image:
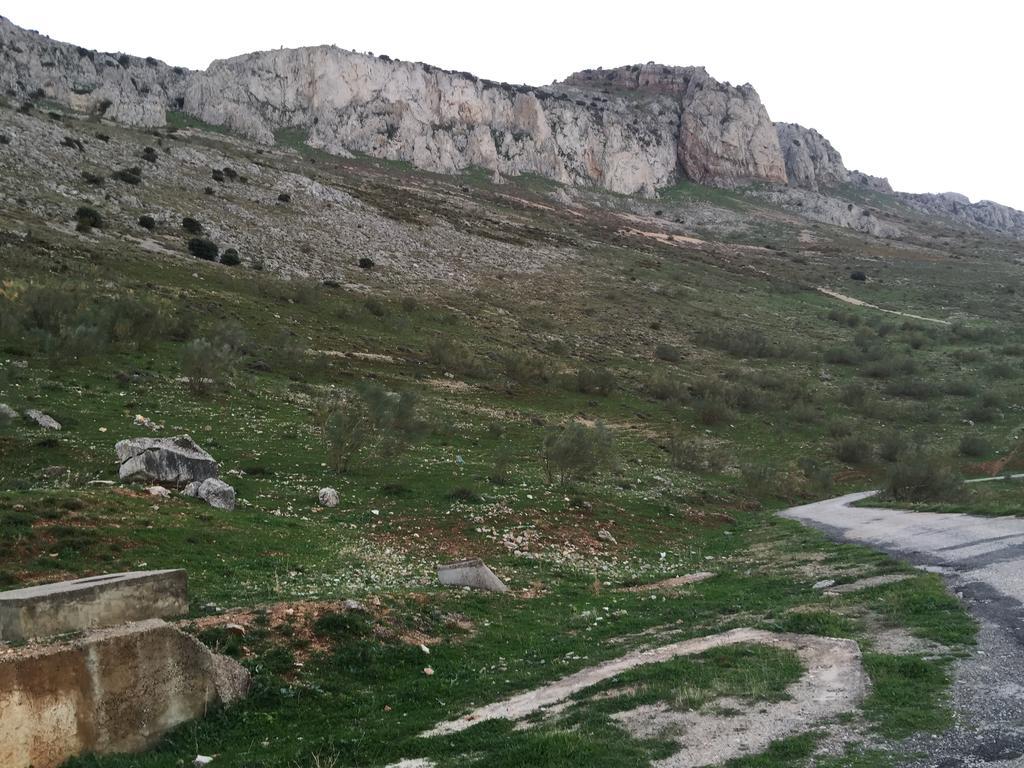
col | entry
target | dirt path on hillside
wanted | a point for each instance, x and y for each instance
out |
(833, 683)
(860, 303)
(982, 560)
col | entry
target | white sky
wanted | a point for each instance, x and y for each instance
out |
(925, 93)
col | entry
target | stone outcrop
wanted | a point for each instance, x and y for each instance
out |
(811, 161)
(125, 88)
(112, 691)
(725, 135)
(981, 215)
(175, 461)
(472, 573)
(217, 493)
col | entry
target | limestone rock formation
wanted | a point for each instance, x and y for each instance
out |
(175, 461)
(125, 88)
(984, 214)
(811, 161)
(725, 135)
(217, 493)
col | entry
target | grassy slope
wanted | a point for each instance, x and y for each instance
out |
(751, 337)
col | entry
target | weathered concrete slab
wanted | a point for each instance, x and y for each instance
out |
(175, 461)
(114, 691)
(97, 601)
(470, 573)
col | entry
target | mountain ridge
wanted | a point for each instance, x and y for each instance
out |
(634, 129)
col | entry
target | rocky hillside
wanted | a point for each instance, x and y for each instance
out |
(631, 130)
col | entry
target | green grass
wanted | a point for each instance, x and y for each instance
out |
(907, 695)
(996, 498)
(585, 297)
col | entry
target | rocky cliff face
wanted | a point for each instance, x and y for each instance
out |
(984, 214)
(725, 135)
(631, 130)
(438, 120)
(125, 88)
(811, 161)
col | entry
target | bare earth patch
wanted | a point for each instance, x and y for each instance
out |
(834, 683)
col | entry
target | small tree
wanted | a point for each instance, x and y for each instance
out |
(192, 226)
(147, 222)
(230, 258)
(202, 248)
(88, 218)
(577, 451)
(206, 365)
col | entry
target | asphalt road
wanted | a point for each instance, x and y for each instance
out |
(982, 560)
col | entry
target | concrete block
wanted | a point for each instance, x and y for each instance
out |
(113, 691)
(470, 573)
(97, 601)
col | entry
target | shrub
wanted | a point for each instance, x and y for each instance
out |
(374, 418)
(88, 218)
(218, 175)
(131, 175)
(4, 139)
(841, 356)
(961, 388)
(375, 307)
(664, 386)
(594, 381)
(230, 258)
(696, 454)
(92, 179)
(203, 249)
(72, 143)
(365, 263)
(284, 197)
(974, 446)
(712, 411)
(192, 226)
(853, 450)
(916, 388)
(668, 353)
(147, 222)
(576, 451)
(206, 365)
(853, 395)
(454, 357)
(525, 367)
(981, 412)
(891, 446)
(103, 137)
(149, 155)
(858, 275)
(923, 476)
(499, 473)
(748, 342)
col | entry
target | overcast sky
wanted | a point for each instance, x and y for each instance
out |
(925, 93)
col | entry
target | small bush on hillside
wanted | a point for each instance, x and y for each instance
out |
(961, 388)
(974, 446)
(147, 222)
(103, 137)
(88, 218)
(525, 367)
(858, 275)
(284, 197)
(375, 307)
(712, 411)
(891, 446)
(696, 454)
(149, 155)
(841, 356)
(92, 179)
(923, 476)
(981, 412)
(128, 175)
(217, 175)
(665, 386)
(372, 418)
(668, 353)
(853, 450)
(913, 387)
(206, 365)
(4, 139)
(853, 395)
(365, 263)
(230, 258)
(203, 249)
(748, 342)
(577, 451)
(594, 381)
(192, 226)
(455, 357)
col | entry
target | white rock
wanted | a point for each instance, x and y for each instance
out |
(328, 497)
(41, 419)
(217, 493)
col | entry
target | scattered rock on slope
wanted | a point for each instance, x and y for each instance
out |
(174, 461)
(42, 419)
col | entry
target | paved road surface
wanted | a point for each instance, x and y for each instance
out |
(982, 560)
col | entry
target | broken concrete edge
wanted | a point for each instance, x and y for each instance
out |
(525, 704)
(45, 610)
(471, 572)
(119, 690)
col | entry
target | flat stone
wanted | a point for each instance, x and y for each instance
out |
(97, 601)
(174, 461)
(113, 691)
(823, 584)
(41, 419)
(470, 573)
